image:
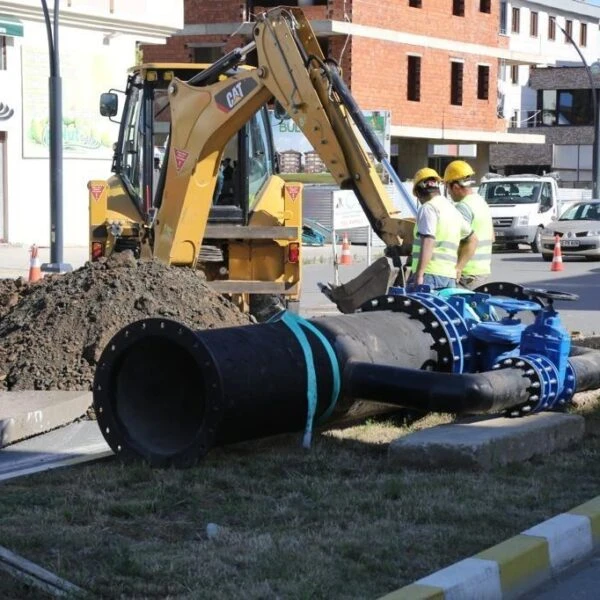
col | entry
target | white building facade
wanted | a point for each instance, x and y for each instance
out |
(529, 25)
(538, 26)
(97, 42)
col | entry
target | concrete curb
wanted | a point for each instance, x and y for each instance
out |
(517, 565)
(24, 414)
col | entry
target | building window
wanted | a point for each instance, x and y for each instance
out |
(533, 24)
(568, 31)
(253, 4)
(456, 83)
(415, 3)
(514, 120)
(413, 87)
(516, 20)
(485, 6)
(503, 18)
(583, 35)
(458, 8)
(565, 107)
(552, 28)
(483, 82)
(206, 53)
(514, 74)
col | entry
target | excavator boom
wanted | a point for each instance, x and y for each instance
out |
(293, 70)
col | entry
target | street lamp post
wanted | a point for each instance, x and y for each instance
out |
(596, 138)
(56, 264)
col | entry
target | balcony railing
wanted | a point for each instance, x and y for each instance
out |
(525, 119)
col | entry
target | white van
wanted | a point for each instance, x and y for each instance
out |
(522, 205)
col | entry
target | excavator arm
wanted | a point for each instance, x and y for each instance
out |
(292, 69)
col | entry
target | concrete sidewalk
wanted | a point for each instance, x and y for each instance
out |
(14, 259)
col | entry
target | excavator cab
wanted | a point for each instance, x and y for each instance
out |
(142, 148)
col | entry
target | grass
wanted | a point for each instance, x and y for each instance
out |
(337, 521)
(320, 178)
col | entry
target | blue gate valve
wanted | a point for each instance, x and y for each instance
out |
(548, 337)
(498, 340)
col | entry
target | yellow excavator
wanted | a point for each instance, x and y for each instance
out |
(195, 172)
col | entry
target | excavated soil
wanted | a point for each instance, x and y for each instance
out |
(52, 332)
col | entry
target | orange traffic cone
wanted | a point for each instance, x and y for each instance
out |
(35, 271)
(557, 261)
(346, 257)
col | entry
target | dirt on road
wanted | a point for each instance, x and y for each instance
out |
(52, 332)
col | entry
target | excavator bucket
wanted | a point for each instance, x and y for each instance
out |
(374, 281)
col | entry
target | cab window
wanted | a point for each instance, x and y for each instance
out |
(260, 160)
(131, 150)
(546, 197)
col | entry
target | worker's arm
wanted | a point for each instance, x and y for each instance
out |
(466, 249)
(427, 221)
(427, 245)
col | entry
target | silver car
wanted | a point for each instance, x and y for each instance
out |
(578, 229)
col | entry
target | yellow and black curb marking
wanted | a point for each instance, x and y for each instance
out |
(516, 565)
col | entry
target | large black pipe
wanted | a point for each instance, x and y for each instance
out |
(480, 393)
(586, 364)
(167, 394)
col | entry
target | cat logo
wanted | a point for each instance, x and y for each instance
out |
(235, 95)
(228, 98)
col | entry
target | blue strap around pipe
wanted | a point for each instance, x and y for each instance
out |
(295, 324)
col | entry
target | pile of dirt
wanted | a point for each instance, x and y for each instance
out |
(53, 332)
(11, 292)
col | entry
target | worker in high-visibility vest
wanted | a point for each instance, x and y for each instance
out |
(459, 181)
(443, 240)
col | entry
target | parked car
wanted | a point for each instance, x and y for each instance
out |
(578, 229)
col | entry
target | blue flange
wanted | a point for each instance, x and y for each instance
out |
(454, 325)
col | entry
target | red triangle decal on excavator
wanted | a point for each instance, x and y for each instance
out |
(96, 190)
(293, 191)
(180, 158)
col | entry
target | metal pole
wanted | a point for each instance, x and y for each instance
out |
(596, 139)
(56, 264)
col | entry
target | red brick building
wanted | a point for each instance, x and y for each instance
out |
(432, 63)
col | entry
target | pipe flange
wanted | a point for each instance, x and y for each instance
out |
(550, 378)
(534, 389)
(429, 318)
(111, 425)
(568, 391)
(455, 325)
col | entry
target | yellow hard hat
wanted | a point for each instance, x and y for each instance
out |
(456, 170)
(422, 175)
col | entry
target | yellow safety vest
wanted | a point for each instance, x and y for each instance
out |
(447, 240)
(481, 262)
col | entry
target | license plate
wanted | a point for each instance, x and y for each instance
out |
(569, 243)
(499, 233)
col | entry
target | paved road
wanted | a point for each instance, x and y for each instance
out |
(523, 267)
(580, 583)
